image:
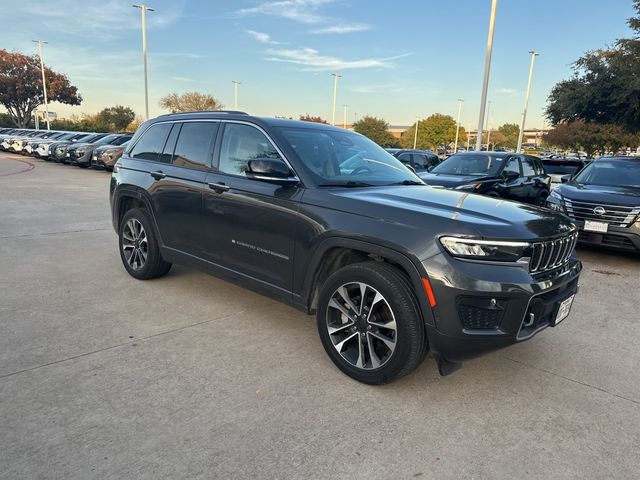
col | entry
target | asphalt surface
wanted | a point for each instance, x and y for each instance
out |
(188, 376)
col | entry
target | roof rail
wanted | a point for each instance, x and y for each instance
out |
(232, 112)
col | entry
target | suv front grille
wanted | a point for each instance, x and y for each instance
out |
(617, 215)
(552, 253)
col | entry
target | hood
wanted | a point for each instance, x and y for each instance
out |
(451, 181)
(85, 145)
(104, 148)
(600, 194)
(465, 213)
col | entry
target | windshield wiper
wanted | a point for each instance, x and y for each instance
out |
(348, 184)
(408, 182)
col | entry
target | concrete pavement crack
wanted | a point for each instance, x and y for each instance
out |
(54, 233)
(588, 385)
(111, 347)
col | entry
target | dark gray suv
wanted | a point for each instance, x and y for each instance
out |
(327, 221)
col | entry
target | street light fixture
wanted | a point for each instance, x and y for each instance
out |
(526, 99)
(335, 95)
(455, 145)
(44, 81)
(235, 93)
(143, 9)
(487, 68)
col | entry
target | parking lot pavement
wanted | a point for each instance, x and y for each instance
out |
(188, 376)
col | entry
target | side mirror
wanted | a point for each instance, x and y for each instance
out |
(271, 170)
(565, 178)
(510, 175)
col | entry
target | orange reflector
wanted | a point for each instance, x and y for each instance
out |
(429, 292)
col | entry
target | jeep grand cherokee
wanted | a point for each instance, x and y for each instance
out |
(327, 221)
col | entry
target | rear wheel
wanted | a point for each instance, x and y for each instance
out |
(369, 323)
(139, 248)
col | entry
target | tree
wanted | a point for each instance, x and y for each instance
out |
(116, 118)
(507, 135)
(377, 130)
(433, 132)
(591, 137)
(190, 102)
(135, 123)
(21, 86)
(308, 118)
(605, 86)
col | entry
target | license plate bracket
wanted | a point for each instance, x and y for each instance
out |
(597, 227)
(564, 308)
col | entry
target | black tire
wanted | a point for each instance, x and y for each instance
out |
(409, 335)
(153, 266)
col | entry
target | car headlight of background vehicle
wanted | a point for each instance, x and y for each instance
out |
(488, 250)
(555, 202)
(469, 186)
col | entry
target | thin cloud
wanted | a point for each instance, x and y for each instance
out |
(311, 58)
(262, 37)
(303, 11)
(342, 28)
(378, 88)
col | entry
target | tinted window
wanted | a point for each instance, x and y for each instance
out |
(470, 164)
(121, 140)
(170, 144)
(561, 167)
(240, 144)
(405, 157)
(151, 143)
(512, 166)
(527, 168)
(193, 149)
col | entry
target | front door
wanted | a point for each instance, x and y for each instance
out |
(249, 224)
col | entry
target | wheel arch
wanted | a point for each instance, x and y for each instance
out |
(127, 197)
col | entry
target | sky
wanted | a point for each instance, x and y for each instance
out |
(398, 59)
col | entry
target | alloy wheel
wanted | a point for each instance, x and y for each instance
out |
(361, 325)
(134, 244)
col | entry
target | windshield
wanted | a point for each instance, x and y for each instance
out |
(611, 173)
(561, 167)
(344, 158)
(107, 139)
(479, 164)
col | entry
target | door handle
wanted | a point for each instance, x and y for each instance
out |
(158, 175)
(219, 187)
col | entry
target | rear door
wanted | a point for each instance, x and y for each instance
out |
(249, 224)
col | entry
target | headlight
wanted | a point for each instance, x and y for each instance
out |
(80, 152)
(555, 195)
(470, 186)
(490, 250)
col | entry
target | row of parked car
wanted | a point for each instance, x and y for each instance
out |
(84, 149)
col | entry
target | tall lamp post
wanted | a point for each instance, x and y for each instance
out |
(344, 116)
(143, 9)
(487, 68)
(235, 93)
(455, 145)
(526, 100)
(335, 96)
(415, 133)
(44, 81)
(488, 127)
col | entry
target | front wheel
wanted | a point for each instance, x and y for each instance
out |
(369, 323)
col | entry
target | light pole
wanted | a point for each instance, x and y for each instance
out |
(44, 81)
(344, 116)
(415, 134)
(468, 136)
(455, 145)
(488, 123)
(235, 93)
(526, 100)
(487, 68)
(143, 9)
(335, 95)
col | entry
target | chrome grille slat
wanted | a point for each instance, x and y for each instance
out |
(618, 215)
(552, 254)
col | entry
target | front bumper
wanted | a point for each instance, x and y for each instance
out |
(625, 239)
(484, 307)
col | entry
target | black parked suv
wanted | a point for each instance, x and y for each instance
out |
(603, 200)
(418, 160)
(326, 220)
(496, 174)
